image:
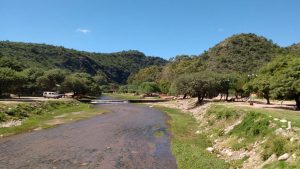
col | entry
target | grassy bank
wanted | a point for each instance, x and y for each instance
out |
(258, 130)
(39, 115)
(188, 147)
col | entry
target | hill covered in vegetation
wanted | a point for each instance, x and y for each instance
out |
(295, 48)
(116, 67)
(241, 53)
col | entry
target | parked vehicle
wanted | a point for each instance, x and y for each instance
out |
(51, 95)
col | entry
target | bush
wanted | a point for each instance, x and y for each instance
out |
(2, 117)
(149, 87)
(274, 145)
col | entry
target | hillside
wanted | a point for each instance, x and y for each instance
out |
(241, 53)
(295, 48)
(115, 66)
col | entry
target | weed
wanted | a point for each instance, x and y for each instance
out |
(274, 145)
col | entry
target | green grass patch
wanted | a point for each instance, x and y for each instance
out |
(275, 145)
(253, 125)
(223, 112)
(281, 165)
(290, 115)
(159, 133)
(51, 115)
(189, 148)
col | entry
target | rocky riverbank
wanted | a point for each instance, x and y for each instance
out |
(246, 137)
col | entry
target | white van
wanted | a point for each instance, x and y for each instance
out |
(51, 95)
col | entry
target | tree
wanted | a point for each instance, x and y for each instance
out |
(81, 84)
(285, 82)
(261, 85)
(31, 87)
(181, 85)
(9, 80)
(148, 88)
(128, 89)
(52, 79)
(149, 74)
(11, 63)
(200, 85)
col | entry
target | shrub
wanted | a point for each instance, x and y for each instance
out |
(2, 117)
(274, 145)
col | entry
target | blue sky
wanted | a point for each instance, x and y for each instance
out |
(164, 28)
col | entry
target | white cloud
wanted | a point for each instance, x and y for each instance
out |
(84, 31)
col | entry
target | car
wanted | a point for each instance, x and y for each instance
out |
(51, 95)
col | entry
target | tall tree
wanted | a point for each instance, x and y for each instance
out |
(285, 82)
(9, 80)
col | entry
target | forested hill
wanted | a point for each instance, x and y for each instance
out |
(295, 48)
(243, 53)
(115, 66)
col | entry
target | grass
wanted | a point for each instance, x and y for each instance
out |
(189, 148)
(52, 117)
(253, 125)
(159, 134)
(293, 116)
(281, 165)
(257, 124)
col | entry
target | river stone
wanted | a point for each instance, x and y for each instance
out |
(284, 157)
(290, 125)
(229, 154)
(279, 131)
(210, 149)
(283, 120)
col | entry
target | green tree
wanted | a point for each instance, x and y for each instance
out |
(261, 85)
(149, 88)
(52, 79)
(11, 63)
(31, 87)
(149, 74)
(285, 82)
(200, 85)
(81, 84)
(10, 80)
(181, 85)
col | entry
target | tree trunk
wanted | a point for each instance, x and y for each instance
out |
(297, 99)
(200, 98)
(267, 97)
(184, 96)
(227, 95)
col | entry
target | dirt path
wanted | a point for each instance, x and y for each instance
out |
(124, 138)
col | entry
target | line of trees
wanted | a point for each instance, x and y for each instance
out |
(33, 81)
(279, 79)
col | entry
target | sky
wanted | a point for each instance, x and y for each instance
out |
(164, 28)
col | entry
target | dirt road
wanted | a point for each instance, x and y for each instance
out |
(130, 136)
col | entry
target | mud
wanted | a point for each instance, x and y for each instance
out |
(122, 139)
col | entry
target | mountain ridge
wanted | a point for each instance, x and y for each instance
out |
(116, 66)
